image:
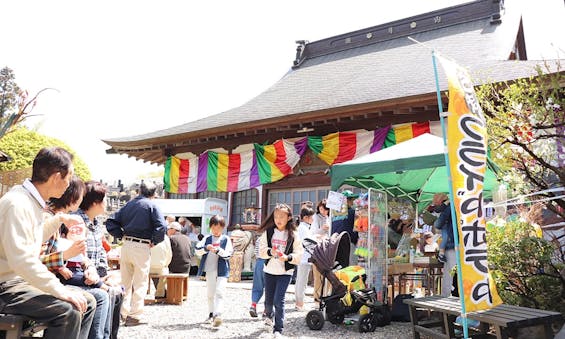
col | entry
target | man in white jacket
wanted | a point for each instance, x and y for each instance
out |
(161, 255)
(27, 287)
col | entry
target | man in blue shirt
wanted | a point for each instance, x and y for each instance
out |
(143, 226)
(444, 223)
(344, 222)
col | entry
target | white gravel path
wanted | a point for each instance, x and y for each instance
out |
(188, 320)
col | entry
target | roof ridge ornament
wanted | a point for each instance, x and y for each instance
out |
(299, 52)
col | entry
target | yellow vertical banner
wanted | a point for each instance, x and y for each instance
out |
(467, 153)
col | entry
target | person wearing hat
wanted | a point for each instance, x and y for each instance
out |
(344, 222)
(430, 246)
(181, 248)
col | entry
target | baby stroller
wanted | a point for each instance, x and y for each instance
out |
(327, 256)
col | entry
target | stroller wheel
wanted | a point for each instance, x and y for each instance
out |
(315, 320)
(367, 323)
(335, 312)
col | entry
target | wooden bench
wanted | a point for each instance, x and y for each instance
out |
(177, 287)
(13, 327)
(504, 319)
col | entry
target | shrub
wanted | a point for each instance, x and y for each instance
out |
(527, 268)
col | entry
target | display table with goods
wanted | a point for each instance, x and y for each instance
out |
(410, 271)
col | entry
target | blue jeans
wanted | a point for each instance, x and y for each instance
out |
(258, 281)
(444, 235)
(113, 321)
(61, 318)
(99, 329)
(275, 290)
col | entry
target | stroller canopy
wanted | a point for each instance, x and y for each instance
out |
(327, 253)
(335, 248)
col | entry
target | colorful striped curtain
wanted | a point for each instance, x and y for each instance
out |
(405, 132)
(276, 161)
(222, 172)
(343, 146)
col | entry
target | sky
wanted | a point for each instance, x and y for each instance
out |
(129, 67)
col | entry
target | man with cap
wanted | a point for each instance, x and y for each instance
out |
(182, 249)
(343, 221)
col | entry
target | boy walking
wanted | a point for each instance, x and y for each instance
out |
(216, 250)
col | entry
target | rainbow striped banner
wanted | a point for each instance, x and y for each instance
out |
(343, 146)
(222, 172)
(276, 161)
(403, 132)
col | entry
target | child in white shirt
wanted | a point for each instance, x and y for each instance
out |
(216, 250)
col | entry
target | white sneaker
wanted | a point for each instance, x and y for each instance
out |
(269, 322)
(278, 335)
(217, 321)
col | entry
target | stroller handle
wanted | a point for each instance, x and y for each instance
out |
(309, 245)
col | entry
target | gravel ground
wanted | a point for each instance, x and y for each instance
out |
(188, 320)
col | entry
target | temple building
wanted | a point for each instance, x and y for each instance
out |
(344, 96)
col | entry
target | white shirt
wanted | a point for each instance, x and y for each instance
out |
(303, 233)
(24, 225)
(317, 227)
(212, 258)
(275, 266)
(161, 255)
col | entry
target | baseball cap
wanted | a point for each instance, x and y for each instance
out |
(175, 225)
(348, 194)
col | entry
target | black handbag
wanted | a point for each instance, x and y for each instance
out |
(400, 311)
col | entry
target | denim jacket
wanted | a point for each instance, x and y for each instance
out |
(224, 254)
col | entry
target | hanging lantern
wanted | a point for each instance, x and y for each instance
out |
(251, 215)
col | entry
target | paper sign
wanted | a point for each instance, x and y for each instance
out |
(64, 244)
(335, 200)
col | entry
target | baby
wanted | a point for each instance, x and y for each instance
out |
(430, 245)
(73, 272)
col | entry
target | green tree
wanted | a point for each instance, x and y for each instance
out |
(15, 105)
(526, 125)
(23, 144)
(9, 92)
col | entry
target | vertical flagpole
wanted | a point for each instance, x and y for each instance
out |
(451, 205)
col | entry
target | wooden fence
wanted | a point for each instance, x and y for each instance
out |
(8, 179)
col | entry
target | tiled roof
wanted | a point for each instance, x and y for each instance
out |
(385, 70)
